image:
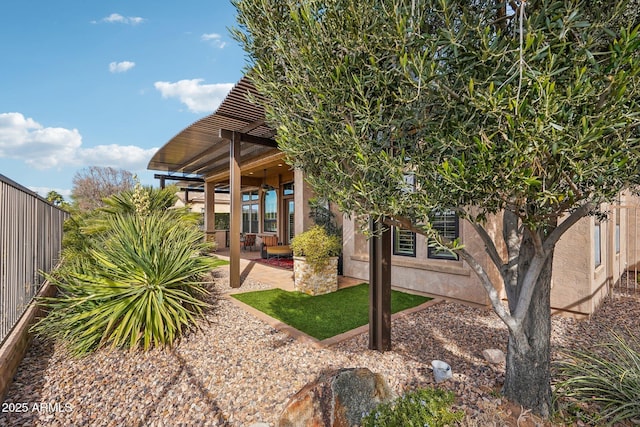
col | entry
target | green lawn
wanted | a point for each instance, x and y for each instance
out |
(323, 316)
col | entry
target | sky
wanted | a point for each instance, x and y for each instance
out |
(107, 83)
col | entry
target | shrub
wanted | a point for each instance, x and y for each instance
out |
(138, 281)
(420, 408)
(607, 376)
(317, 246)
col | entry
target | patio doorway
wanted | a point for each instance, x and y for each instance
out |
(289, 231)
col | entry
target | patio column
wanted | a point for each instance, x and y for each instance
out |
(379, 287)
(235, 220)
(209, 210)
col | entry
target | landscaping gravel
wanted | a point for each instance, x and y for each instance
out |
(239, 371)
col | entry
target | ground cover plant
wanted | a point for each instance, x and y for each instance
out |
(604, 381)
(323, 316)
(427, 407)
(133, 276)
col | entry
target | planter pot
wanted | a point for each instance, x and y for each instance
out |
(315, 283)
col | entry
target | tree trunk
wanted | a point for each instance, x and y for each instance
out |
(528, 377)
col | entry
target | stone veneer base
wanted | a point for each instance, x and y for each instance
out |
(315, 283)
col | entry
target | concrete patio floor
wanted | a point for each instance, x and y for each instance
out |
(269, 275)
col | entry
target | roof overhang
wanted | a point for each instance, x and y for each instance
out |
(203, 147)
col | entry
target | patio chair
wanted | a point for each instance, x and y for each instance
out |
(269, 240)
(249, 241)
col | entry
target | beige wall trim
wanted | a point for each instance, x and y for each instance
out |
(420, 265)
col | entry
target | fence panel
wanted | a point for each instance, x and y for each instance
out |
(30, 242)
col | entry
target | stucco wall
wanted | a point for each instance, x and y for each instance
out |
(447, 278)
(573, 269)
(578, 285)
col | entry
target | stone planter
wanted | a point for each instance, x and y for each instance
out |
(315, 283)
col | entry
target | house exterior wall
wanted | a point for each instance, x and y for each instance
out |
(446, 278)
(578, 284)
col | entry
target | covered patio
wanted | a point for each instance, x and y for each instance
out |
(233, 151)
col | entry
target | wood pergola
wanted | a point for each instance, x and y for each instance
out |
(223, 149)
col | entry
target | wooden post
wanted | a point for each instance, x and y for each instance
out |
(209, 211)
(379, 288)
(236, 211)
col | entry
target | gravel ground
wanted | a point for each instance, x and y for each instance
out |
(237, 370)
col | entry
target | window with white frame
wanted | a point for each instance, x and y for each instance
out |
(250, 212)
(404, 242)
(446, 223)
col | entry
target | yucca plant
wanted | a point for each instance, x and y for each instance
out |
(139, 284)
(607, 375)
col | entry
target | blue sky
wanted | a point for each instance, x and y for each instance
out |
(106, 83)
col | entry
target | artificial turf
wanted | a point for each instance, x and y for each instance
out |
(323, 316)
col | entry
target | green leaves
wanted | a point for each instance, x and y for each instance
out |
(140, 284)
(607, 376)
(430, 78)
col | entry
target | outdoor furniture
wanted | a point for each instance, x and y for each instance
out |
(249, 241)
(279, 251)
(268, 241)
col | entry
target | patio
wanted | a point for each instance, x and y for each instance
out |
(253, 271)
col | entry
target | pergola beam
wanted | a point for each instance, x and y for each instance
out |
(245, 137)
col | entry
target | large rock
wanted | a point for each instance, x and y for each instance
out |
(494, 355)
(336, 399)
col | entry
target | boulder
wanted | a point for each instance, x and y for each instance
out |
(493, 355)
(336, 398)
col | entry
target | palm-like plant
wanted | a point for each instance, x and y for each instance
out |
(139, 283)
(607, 375)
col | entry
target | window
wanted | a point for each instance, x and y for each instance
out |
(288, 189)
(404, 242)
(597, 248)
(447, 224)
(250, 212)
(270, 217)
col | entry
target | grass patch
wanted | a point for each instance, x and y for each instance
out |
(323, 316)
(217, 262)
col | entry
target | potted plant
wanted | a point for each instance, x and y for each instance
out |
(315, 261)
(321, 214)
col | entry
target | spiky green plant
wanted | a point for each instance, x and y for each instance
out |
(138, 284)
(607, 375)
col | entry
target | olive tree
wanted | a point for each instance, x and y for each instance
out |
(525, 111)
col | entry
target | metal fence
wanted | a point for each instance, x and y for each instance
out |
(30, 242)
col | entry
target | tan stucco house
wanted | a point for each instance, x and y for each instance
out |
(235, 154)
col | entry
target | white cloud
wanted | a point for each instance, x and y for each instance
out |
(47, 147)
(215, 39)
(121, 67)
(198, 97)
(116, 18)
(43, 191)
(40, 147)
(128, 157)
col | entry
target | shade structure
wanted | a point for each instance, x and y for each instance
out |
(202, 148)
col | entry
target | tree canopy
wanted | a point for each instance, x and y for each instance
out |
(396, 108)
(91, 185)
